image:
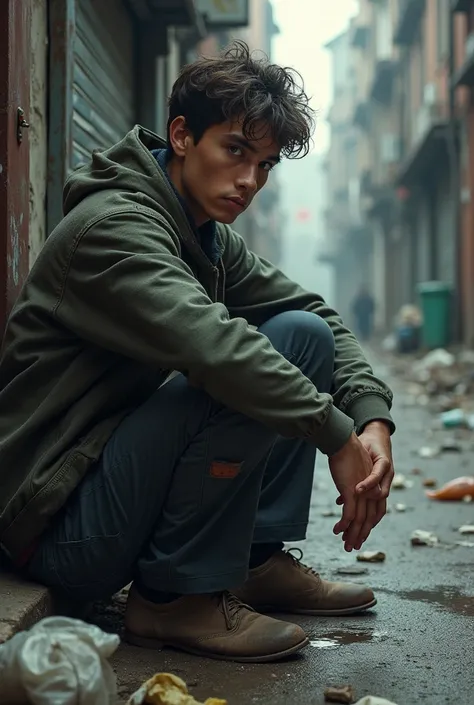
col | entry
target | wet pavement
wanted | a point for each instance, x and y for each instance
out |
(417, 645)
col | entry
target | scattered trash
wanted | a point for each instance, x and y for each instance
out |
(429, 482)
(59, 660)
(352, 570)
(389, 344)
(466, 529)
(329, 513)
(466, 357)
(435, 358)
(451, 445)
(374, 700)
(400, 482)
(456, 489)
(416, 471)
(371, 557)
(429, 452)
(343, 694)
(168, 689)
(454, 418)
(400, 507)
(423, 538)
(465, 544)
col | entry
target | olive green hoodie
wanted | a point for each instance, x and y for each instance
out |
(120, 295)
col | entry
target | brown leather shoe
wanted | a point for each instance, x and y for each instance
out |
(218, 626)
(284, 584)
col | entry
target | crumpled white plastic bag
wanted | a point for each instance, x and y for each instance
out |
(374, 700)
(59, 661)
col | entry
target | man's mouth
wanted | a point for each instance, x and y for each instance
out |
(237, 201)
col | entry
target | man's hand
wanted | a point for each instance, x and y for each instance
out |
(362, 475)
(376, 440)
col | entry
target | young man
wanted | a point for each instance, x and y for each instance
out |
(188, 488)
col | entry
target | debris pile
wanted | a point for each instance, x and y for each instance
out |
(444, 382)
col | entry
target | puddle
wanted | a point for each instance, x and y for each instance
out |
(343, 638)
(443, 597)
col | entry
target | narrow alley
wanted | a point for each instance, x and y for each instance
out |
(415, 648)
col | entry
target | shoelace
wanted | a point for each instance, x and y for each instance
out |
(230, 606)
(297, 561)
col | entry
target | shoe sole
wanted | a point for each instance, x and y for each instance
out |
(318, 613)
(150, 643)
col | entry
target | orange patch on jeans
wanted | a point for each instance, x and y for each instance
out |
(224, 470)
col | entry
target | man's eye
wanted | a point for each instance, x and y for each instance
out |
(237, 151)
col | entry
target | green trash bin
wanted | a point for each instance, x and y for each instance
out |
(435, 298)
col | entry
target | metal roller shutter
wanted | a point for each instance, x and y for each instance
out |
(103, 98)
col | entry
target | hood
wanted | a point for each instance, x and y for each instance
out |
(127, 166)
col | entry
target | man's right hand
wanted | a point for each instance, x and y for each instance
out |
(349, 467)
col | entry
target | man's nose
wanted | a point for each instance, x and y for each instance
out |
(248, 178)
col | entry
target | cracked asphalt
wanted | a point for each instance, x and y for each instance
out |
(416, 647)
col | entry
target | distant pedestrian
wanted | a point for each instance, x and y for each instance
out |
(363, 309)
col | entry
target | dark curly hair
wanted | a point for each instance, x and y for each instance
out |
(237, 86)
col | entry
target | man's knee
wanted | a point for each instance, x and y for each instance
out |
(301, 329)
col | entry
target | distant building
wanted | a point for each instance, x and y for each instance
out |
(403, 211)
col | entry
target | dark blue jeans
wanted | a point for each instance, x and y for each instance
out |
(185, 486)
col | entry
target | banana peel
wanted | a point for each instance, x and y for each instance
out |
(167, 689)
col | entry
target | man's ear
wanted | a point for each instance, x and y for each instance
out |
(179, 136)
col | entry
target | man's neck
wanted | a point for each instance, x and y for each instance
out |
(175, 172)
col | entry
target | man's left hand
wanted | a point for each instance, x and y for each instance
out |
(376, 439)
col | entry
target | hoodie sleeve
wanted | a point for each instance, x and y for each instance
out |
(256, 290)
(128, 290)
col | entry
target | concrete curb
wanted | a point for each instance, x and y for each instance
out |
(22, 604)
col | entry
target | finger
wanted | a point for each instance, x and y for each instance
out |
(348, 514)
(381, 511)
(368, 524)
(380, 469)
(356, 525)
(387, 482)
(375, 493)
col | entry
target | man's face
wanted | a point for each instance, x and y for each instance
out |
(220, 176)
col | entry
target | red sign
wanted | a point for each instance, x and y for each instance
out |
(303, 215)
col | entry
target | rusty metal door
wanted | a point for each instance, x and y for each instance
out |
(14, 150)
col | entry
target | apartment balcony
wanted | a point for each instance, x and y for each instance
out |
(344, 215)
(462, 5)
(328, 252)
(410, 14)
(328, 249)
(384, 80)
(361, 117)
(359, 36)
(428, 143)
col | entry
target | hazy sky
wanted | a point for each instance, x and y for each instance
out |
(306, 25)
